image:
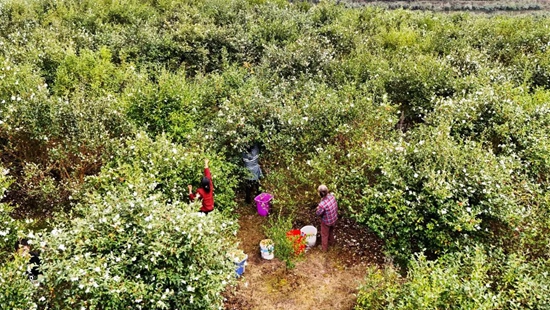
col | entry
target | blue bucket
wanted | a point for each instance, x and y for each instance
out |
(240, 266)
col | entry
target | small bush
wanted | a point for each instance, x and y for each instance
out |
(276, 230)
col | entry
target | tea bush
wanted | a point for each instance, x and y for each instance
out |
(50, 143)
(425, 198)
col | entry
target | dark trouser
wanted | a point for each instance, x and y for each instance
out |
(327, 235)
(205, 212)
(252, 189)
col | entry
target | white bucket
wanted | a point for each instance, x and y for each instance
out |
(267, 250)
(310, 232)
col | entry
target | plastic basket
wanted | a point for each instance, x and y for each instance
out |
(263, 202)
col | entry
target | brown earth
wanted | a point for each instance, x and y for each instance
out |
(319, 281)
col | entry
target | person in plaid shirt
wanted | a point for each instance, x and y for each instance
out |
(328, 210)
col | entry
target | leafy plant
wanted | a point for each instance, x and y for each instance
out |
(475, 278)
(276, 230)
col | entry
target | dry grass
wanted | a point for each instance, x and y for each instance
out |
(319, 280)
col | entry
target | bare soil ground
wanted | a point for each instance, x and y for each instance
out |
(319, 280)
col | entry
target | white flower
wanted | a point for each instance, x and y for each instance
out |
(444, 211)
(469, 209)
(62, 247)
(190, 288)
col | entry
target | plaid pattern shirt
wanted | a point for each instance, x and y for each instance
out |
(328, 209)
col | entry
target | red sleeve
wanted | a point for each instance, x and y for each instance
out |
(320, 210)
(209, 176)
(192, 196)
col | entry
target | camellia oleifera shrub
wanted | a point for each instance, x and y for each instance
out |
(473, 279)
(53, 136)
(131, 243)
(434, 193)
(17, 291)
(131, 249)
(9, 226)
(169, 167)
(133, 239)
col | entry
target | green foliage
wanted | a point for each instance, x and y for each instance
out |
(9, 226)
(472, 279)
(434, 193)
(18, 293)
(90, 72)
(169, 168)
(276, 230)
(49, 143)
(165, 106)
(130, 248)
(432, 129)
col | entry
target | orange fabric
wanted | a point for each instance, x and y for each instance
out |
(298, 241)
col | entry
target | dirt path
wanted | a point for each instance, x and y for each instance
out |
(319, 280)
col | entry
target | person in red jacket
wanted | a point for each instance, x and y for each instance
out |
(205, 192)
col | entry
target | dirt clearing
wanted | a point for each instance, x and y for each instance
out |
(319, 280)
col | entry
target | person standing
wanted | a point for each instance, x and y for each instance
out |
(252, 182)
(328, 210)
(205, 192)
